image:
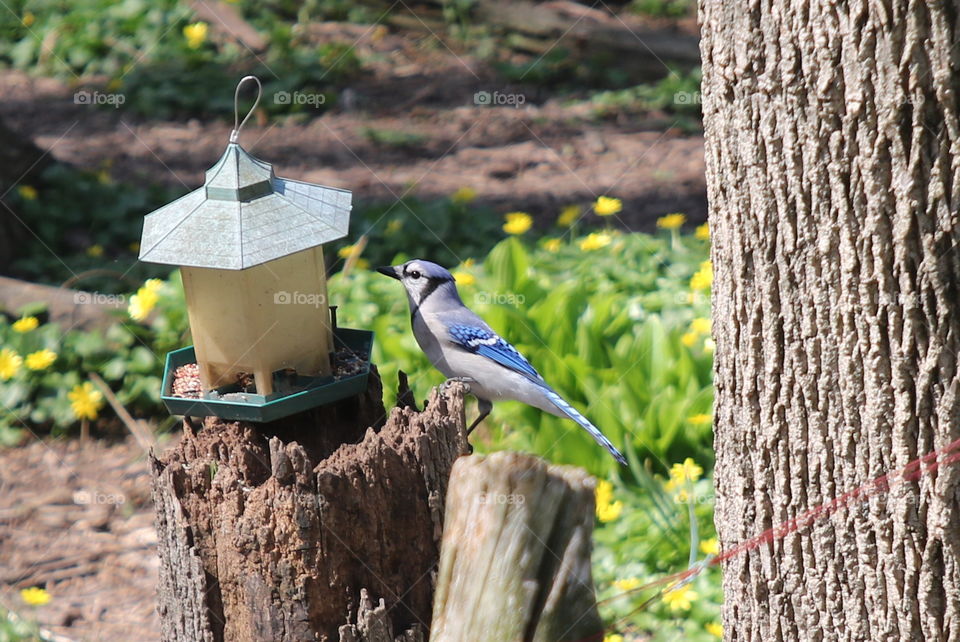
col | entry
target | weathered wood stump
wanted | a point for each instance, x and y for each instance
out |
(324, 526)
(515, 559)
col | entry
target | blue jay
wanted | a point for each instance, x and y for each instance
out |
(464, 348)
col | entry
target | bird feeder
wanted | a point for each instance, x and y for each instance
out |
(249, 247)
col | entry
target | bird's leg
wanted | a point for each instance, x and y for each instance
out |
(484, 406)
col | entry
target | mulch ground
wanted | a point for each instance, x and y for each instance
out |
(78, 520)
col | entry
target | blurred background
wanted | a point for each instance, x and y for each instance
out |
(549, 153)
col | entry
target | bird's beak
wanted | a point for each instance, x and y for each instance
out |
(390, 271)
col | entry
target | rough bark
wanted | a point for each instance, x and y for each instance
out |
(832, 167)
(294, 530)
(515, 561)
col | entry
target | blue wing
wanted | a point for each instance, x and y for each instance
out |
(492, 346)
(486, 343)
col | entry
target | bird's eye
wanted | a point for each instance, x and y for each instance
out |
(415, 275)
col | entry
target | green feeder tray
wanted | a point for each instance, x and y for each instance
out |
(293, 393)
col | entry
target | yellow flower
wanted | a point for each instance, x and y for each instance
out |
(687, 471)
(28, 19)
(517, 223)
(464, 278)
(609, 512)
(604, 492)
(27, 192)
(689, 339)
(346, 251)
(134, 247)
(41, 359)
(701, 325)
(10, 363)
(464, 196)
(613, 637)
(26, 324)
(362, 264)
(671, 221)
(569, 215)
(605, 206)
(628, 584)
(703, 278)
(715, 628)
(35, 596)
(700, 419)
(143, 302)
(595, 241)
(709, 546)
(153, 285)
(95, 251)
(196, 34)
(679, 599)
(607, 509)
(702, 232)
(552, 245)
(85, 400)
(394, 226)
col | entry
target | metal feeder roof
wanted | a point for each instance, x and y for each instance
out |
(244, 215)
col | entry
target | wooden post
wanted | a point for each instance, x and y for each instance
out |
(515, 559)
(316, 527)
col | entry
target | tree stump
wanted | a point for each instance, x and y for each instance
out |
(322, 526)
(515, 560)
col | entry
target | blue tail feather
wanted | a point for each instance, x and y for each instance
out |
(574, 414)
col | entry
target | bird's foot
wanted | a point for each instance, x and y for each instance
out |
(464, 380)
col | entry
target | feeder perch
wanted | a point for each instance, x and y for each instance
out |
(249, 247)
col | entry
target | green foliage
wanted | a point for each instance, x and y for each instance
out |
(664, 8)
(559, 68)
(677, 94)
(74, 211)
(649, 540)
(436, 229)
(15, 629)
(393, 137)
(128, 355)
(149, 61)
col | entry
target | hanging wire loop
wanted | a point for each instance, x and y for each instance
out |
(235, 134)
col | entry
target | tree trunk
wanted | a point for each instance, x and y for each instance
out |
(515, 561)
(279, 532)
(831, 142)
